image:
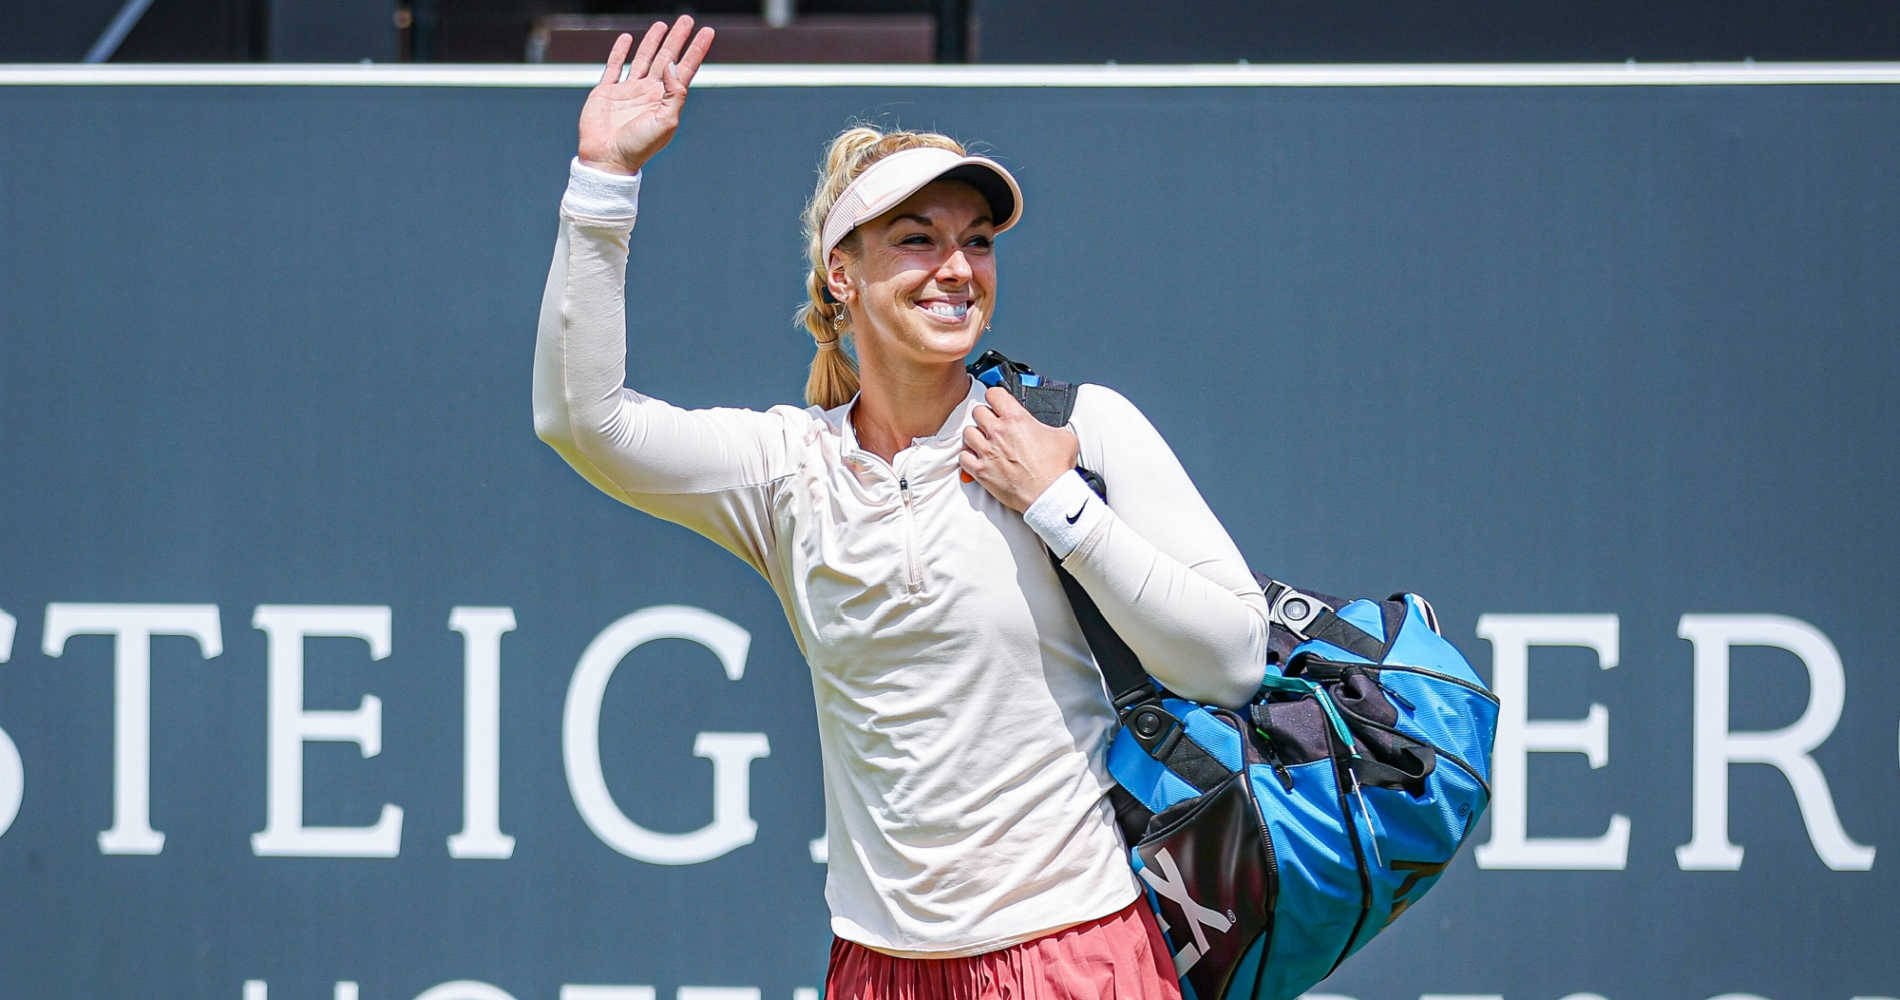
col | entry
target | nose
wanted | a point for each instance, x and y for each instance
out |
(955, 268)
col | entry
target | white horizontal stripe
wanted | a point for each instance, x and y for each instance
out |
(1235, 75)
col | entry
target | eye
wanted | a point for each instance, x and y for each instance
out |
(915, 240)
(978, 242)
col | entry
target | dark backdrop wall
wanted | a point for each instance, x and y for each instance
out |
(317, 672)
(1061, 31)
(1088, 31)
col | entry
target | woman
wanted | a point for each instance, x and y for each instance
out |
(902, 519)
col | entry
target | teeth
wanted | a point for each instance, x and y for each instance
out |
(948, 310)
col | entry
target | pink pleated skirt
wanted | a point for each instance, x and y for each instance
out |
(1119, 957)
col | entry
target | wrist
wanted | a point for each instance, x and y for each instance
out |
(1065, 514)
(607, 166)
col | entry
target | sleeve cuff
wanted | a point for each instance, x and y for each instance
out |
(600, 194)
(1065, 514)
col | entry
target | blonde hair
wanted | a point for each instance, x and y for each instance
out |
(834, 375)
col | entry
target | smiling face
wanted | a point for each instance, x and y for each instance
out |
(920, 281)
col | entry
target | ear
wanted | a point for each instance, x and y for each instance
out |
(836, 279)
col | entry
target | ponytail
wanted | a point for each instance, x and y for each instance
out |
(834, 375)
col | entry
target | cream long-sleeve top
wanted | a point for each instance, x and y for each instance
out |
(963, 725)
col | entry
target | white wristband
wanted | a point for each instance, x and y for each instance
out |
(1065, 514)
(600, 194)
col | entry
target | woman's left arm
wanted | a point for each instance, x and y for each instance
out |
(1158, 563)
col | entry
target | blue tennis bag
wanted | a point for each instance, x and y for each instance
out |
(1278, 837)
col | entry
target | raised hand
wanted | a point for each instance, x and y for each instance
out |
(625, 122)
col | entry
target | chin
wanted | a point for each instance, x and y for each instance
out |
(958, 345)
(945, 341)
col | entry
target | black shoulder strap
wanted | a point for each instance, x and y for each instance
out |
(1050, 402)
(1053, 403)
(1128, 682)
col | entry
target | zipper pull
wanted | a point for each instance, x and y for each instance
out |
(1397, 697)
(1372, 835)
(1280, 770)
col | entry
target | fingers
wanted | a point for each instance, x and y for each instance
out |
(676, 38)
(611, 72)
(1011, 453)
(695, 54)
(1005, 405)
(984, 417)
(665, 52)
(649, 45)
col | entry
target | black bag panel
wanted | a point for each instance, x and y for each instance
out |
(1209, 868)
(1296, 731)
(1388, 758)
(1131, 817)
(1360, 691)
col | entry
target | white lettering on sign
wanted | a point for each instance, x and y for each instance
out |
(481, 836)
(1511, 846)
(132, 627)
(464, 989)
(1787, 750)
(258, 989)
(469, 989)
(12, 771)
(290, 726)
(731, 754)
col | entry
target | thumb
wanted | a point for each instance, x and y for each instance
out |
(670, 83)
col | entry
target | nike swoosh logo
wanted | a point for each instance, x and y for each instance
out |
(1078, 511)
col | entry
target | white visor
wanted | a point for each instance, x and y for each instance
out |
(885, 184)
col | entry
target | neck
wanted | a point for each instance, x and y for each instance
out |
(895, 407)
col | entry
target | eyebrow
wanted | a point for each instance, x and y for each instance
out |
(925, 220)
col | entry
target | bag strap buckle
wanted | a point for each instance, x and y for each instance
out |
(1293, 609)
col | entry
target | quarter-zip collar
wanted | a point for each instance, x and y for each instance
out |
(948, 438)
